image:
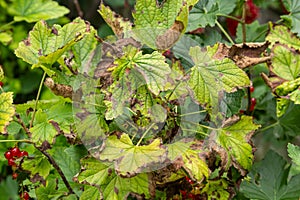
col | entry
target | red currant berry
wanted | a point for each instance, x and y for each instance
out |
(15, 152)
(14, 175)
(252, 104)
(190, 196)
(11, 162)
(1, 84)
(183, 193)
(8, 155)
(25, 196)
(242, 111)
(251, 88)
(189, 180)
(23, 153)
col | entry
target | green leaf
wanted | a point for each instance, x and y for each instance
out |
(286, 63)
(7, 110)
(67, 164)
(45, 46)
(294, 154)
(35, 10)
(5, 38)
(269, 180)
(216, 189)
(232, 103)
(293, 6)
(39, 165)
(118, 188)
(281, 34)
(254, 32)
(87, 53)
(152, 67)
(234, 139)
(206, 12)
(177, 149)
(113, 186)
(155, 24)
(42, 129)
(9, 189)
(90, 192)
(295, 96)
(94, 172)
(49, 192)
(130, 159)
(117, 23)
(209, 77)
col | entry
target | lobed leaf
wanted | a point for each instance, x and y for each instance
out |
(209, 77)
(102, 174)
(157, 24)
(45, 46)
(286, 63)
(206, 12)
(35, 10)
(294, 154)
(293, 6)
(234, 139)
(7, 110)
(119, 25)
(130, 159)
(282, 35)
(268, 180)
(39, 165)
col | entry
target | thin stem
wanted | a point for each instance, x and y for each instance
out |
(55, 165)
(26, 141)
(201, 125)
(191, 130)
(192, 113)
(37, 98)
(243, 21)
(145, 133)
(231, 17)
(268, 127)
(78, 8)
(2, 28)
(225, 32)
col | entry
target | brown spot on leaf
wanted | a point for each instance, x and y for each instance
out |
(40, 52)
(54, 31)
(27, 42)
(170, 37)
(244, 55)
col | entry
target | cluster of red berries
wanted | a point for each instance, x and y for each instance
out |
(252, 100)
(252, 12)
(14, 153)
(188, 195)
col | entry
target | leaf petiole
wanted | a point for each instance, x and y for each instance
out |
(224, 32)
(145, 133)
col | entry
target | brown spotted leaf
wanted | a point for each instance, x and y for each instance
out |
(130, 159)
(244, 55)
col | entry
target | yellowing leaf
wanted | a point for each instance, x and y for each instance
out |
(7, 110)
(35, 10)
(130, 159)
(45, 46)
(42, 129)
(102, 174)
(194, 165)
(286, 63)
(209, 77)
(234, 139)
(117, 23)
(39, 165)
(282, 35)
